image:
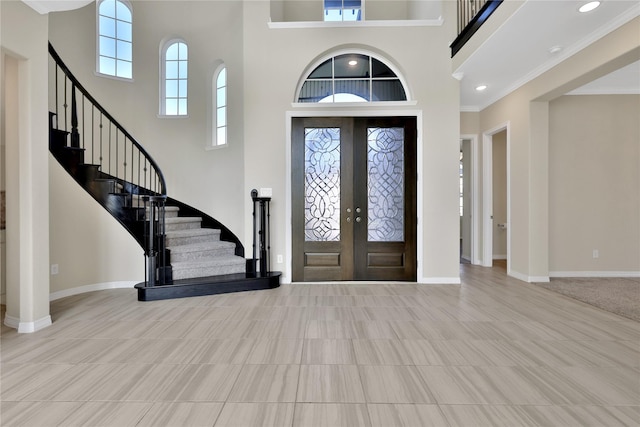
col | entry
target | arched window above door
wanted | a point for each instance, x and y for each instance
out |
(352, 77)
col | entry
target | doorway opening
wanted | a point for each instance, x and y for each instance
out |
(496, 200)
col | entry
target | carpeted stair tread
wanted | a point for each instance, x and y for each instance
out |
(202, 251)
(210, 262)
(191, 236)
(180, 219)
(194, 232)
(182, 223)
(202, 246)
(211, 267)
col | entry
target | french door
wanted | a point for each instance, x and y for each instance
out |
(354, 199)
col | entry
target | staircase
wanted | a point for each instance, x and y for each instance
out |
(188, 253)
(197, 251)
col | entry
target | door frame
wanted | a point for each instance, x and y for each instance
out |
(474, 175)
(333, 112)
(487, 194)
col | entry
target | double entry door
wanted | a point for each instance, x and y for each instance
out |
(354, 199)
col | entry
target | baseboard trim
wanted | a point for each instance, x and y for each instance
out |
(594, 273)
(91, 288)
(27, 327)
(500, 257)
(528, 279)
(439, 281)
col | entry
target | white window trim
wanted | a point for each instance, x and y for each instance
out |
(213, 106)
(362, 10)
(97, 72)
(164, 45)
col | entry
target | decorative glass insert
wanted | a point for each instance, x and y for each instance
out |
(385, 172)
(115, 57)
(342, 10)
(352, 78)
(322, 184)
(176, 70)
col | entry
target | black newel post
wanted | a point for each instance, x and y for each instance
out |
(155, 239)
(75, 135)
(261, 234)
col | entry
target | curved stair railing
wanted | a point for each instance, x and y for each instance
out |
(108, 162)
(106, 143)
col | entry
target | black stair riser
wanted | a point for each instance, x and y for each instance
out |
(207, 286)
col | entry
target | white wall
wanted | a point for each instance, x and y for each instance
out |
(275, 61)
(264, 67)
(23, 45)
(526, 111)
(208, 179)
(594, 177)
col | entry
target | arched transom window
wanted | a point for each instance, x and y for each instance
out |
(352, 77)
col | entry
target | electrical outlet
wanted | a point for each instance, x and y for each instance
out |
(596, 253)
(279, 259)
(54, 269)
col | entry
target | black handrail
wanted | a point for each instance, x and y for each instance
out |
(104, 114)
(471, 15)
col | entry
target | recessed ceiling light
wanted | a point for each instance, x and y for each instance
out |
(353, 62)
(481, 88)
(588, 7)
(555, 49)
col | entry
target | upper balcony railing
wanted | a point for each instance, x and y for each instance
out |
(471, 15)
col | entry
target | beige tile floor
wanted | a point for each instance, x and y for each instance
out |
(493, 351)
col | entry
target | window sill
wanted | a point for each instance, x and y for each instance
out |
(215, 147)
(171, 116)
(109, 76)
(372, 24)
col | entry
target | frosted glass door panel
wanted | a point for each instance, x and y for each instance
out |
(322, 184)
(385, 178)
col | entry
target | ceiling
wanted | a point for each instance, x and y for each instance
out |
(519, 50)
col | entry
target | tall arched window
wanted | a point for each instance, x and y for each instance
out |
(352, 77)
(220, 106)
(174, 71)
(115, 38)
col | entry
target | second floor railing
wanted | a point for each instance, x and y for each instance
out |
(471, 15)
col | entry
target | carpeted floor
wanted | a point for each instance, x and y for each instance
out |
(619, 295)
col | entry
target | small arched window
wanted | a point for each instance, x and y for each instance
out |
(220, 106)
(115, 38)
(174, 72)
(352, 77)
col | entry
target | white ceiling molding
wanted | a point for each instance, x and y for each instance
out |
(519, 50)
(45, 6)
